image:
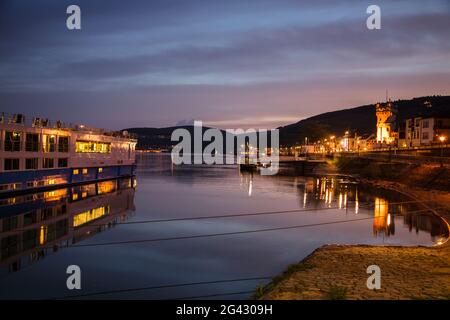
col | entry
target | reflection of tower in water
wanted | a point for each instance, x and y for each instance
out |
(382, 222)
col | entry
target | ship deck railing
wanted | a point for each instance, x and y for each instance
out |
(39, 122)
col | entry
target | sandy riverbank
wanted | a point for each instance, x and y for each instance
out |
(339, 272)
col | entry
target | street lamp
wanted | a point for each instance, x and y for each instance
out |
(442, 139)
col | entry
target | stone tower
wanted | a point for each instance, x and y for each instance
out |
(386, 120)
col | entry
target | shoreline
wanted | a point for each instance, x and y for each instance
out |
(336, 272)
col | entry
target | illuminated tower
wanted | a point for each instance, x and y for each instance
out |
(386, 117)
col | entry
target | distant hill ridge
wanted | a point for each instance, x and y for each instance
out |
(359, 119)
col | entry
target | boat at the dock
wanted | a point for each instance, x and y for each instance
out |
(40, 154)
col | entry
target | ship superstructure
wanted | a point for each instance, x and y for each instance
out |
(40, 154)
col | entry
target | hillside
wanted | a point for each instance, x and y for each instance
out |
(160, 138)
(360, 119)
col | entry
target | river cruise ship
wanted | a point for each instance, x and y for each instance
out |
(40, 154)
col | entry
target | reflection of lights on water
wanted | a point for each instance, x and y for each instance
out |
(356, 202)
(304, 199)
(55, 195)
(42, 234)
(389, 219)
(250, 188)
(342, 200)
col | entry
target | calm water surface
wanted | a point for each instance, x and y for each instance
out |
(40, 233)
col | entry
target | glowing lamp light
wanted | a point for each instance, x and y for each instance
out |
(442, 138)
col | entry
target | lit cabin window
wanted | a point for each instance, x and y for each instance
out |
(85, 171)
(76, 171)
(49, 143)
(100, 170)
(75, 197)
(92, 147)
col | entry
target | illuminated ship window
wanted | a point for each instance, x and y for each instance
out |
(85, 171)
(100, 170)
(90, 215)
(92, 147)
(76, 171)
(49, 143)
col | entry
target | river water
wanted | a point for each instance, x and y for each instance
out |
(191, 224)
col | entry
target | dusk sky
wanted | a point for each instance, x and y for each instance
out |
(231, 63)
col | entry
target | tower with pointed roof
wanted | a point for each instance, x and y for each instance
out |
(386, 122)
